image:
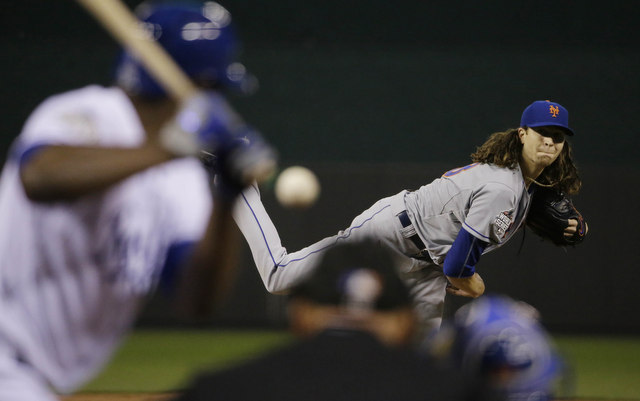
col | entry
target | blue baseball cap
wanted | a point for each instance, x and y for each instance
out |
(545, 112)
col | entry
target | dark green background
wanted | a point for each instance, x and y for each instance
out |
(375, 80)
(378, 96)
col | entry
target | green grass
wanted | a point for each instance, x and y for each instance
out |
(164, 360)
(603, 367)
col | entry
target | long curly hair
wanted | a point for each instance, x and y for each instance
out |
(504, 149)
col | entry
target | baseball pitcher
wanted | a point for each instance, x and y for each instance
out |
(440, 230)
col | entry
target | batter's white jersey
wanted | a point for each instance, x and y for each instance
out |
(490, 202)
(73, 275)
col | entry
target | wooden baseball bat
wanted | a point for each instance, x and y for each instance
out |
(118, 20)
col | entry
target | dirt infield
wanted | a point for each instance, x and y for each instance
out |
(120, 397)
(161, 397)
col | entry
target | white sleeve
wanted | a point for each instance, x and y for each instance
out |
(52, 123)
(91, 116)
(491, 213)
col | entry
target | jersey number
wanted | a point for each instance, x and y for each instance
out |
(455, 171)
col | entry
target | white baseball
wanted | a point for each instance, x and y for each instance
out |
(297, 187)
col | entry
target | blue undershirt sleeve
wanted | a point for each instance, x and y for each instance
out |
(28, 153)
(464, 254)
(177, 254)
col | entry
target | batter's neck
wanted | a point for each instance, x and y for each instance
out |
(154, 113)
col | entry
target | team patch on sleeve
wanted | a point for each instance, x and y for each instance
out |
(502, 223)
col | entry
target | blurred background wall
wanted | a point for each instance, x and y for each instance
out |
(379, 96)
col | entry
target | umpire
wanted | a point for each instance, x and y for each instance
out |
(353, 319)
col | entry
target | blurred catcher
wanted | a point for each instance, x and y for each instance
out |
(103, 199)
(502, 342)
(353, 319)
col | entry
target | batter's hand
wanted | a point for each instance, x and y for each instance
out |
(206, 121)
(239, 163)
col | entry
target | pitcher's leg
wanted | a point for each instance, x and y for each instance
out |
(259, 232)
(428, 288)
(278, 269)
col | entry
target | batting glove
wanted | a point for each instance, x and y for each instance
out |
(204, 122)
(207, 126)
(239, 163)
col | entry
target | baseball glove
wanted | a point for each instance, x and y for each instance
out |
(549, 216)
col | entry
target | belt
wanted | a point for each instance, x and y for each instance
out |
(404, 220)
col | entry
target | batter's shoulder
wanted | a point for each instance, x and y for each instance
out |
(79, 100)
(88, 115)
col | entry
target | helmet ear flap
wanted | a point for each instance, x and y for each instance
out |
(201, 39)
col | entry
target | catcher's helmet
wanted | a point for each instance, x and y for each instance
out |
(501, 341)
(200, 37)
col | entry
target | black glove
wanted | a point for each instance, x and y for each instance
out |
(237, 162)
(549, 216)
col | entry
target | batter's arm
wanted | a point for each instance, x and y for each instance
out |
(209, 272)
(54, 173)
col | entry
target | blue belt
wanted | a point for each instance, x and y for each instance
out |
(404, 220)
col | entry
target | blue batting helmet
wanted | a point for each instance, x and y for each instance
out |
(200, 37)
(501, 341)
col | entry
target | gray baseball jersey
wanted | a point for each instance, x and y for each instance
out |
(489, 202)
(73, 275)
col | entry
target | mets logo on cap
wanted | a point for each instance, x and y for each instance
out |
(546, 112)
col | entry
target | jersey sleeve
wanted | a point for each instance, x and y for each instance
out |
(88, 117)
(491, 212)
(464, 254)
(177, 255)
(52, 123)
